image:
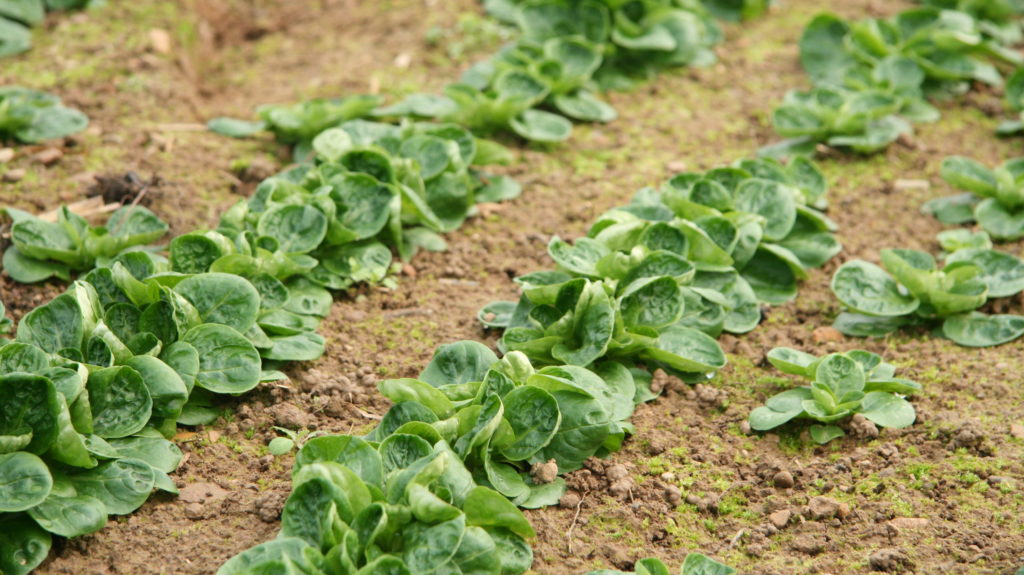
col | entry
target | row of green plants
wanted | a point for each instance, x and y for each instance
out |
(18, 16)
(873, 78)
(566, 53)
(147, 336)
(656, 281)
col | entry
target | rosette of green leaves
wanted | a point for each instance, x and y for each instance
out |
(918, 293)
(17, 16)
(43, 249)
(694, 564)
(650, 308)
(842, 384)
(297, 124)
(30, 116)
(948, 46)
(82, 437)
(398, 506)
(373, 186)
(288, 306)
(998, 19)
(639, 38)
(863, 121)
(758, 212)
(502, 416)
(994, 197)
(505, 92)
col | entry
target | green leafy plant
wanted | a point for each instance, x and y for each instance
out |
(994, 197)
(502, 416)
(43, 249)
(918, 293)
(373, 186)
(30, 116)
(694, 564)
(656, 280)
(397, 507)
(842, 385)
(871, 77)
(296, 125)
(17, 16)
(440, 478)
(290, 439)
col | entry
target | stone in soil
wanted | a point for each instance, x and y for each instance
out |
(890, 561)
(783, 480)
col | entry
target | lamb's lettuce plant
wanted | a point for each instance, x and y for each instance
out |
(43, 249)
(17, 16)
(871, 77)
(31, 116)
(655, 280)
(373, 187)
(694, 564)
(994, 198)
(436, 485)
(842, 385)
(913, 291)
(297, 124)
(400, 506)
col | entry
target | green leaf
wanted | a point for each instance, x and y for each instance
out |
(120, 400)
(822, 52)
(122, 485)
(792, 361)
(534, 418)
(981, 330)
(228, 362)
(541, 126)
(868, 289)
(298, 229)
(887, 410)
(999, 221)
(458, 363)
(697, 564)
(969, 175)
(822, 434)
(25, 481)
(352, 452)
(23, 544)
(235, 128)
(222, 298)
(686, 350)
(70, 516)
(859, 325)
(487, 508)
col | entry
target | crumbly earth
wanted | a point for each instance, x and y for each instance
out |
(944, 496)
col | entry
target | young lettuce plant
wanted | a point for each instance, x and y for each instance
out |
(373, 186)
(17, 16)
(296, 125)
(863, 121)
(948, 46)
(639, 39)
(400, 506)
(842, 385)
(694, 564)
(500, 417)
(42, 249)
(917, 293)
(30, 116)
(994, 197)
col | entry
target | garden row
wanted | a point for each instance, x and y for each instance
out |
(99, 377)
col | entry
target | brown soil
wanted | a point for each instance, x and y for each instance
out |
(946, 495)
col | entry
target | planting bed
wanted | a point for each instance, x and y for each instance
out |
(944, 495)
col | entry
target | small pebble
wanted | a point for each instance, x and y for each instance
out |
(49, 156)
(11, 176)
(783, 480)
